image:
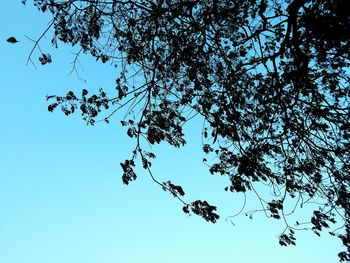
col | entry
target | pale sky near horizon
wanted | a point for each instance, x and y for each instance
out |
(61, 195)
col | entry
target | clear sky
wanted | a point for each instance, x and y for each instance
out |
(61, 195)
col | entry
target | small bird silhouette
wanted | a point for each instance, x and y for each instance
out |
(12, 40)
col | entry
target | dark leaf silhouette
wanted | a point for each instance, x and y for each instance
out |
(12, 40)
(45, 59)
(176, 190)
(203, 209)
(287, 239)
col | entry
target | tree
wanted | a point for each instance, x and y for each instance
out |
(269, 78)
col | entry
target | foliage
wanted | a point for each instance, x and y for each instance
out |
(269, 78)
(12, 40)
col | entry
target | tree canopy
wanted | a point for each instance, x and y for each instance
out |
(270, 78)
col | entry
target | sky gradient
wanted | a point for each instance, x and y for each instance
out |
(61, 195)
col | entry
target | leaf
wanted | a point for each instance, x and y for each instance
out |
(45, 59)
(176, 190)
(52, 106)
(203, 209)
(12, 40)
(84, 92)
(186, 209)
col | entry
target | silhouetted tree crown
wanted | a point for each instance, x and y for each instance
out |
(270, 78)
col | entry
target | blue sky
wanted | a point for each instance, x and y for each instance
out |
(61, 196)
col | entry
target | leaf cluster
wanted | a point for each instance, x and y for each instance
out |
(270, 80)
